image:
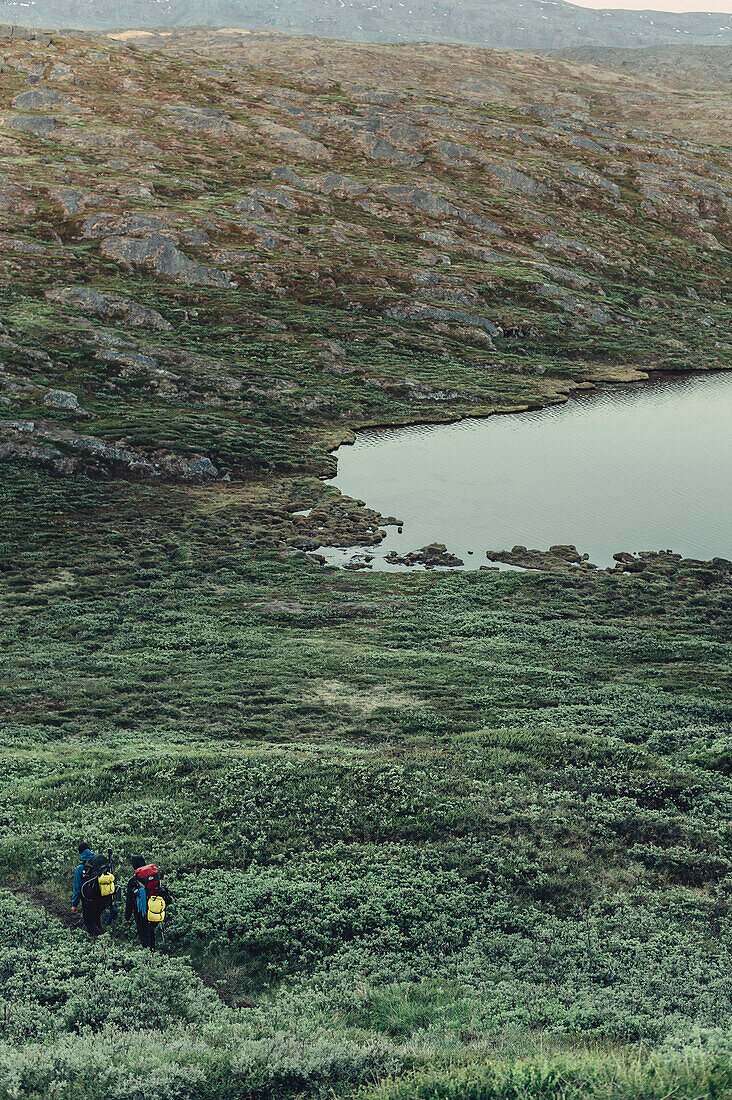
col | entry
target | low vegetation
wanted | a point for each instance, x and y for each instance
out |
(428, 834)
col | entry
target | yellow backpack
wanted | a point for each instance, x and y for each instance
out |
(106, 884)
(156, 909)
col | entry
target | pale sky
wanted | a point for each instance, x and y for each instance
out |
(660, 5)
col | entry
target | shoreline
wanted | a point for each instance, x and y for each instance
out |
(365, 554)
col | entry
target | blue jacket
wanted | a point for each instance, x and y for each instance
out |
(79, 875)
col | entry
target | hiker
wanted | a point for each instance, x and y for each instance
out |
(93, 887)
(147, 899)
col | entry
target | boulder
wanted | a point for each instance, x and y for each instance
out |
(575, 279)
(435, 206)
(434, 556)
(274, 196)
(38, 98)
(74, 202)
(109, 307)
(61, 399)
(23, 247)
(41, 125)
(33, 440)
(514, 180)
(343, 187)
(293, 141)
(200, 120)
(252, 206)
(378, 148)
(423, 311)
(287, 174)
(159, 255)
(576, 306)
(567, 246)
(557, 559)
(128, 225)
(594, 179)
(453, 153)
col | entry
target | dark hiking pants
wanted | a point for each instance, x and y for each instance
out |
(145, 932)
(91, 913)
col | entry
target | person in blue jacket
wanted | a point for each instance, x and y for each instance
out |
(91, 908)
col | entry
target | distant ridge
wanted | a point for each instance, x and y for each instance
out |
(526, 24)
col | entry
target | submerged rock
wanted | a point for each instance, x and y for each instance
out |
(434, 556)
(557, 559)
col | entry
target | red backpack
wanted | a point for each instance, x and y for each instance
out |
(148, 876)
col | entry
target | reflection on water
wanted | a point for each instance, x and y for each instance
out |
(631, 467)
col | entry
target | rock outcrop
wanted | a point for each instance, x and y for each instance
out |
(67, 452)
(158, 254)
(109, 307)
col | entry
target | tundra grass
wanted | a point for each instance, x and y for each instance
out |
(407, 820)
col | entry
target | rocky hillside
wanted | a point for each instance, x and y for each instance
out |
(530, 25)
(221, 255)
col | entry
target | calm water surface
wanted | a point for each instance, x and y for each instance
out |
(645, 466)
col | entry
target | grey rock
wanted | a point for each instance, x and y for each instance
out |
(129, 225)
(251, 206)
(199, 120)
(341, 186)
(295, 142)
(61, 399)
(423, 311)
(594, 179)
(192, 236)
(287, 174)
(452, 152)
(435, 206)
(576, 306)
(129, 363)
(555, 243)
(73, 202)
(39, 98)
(32, 124)
(372, 96)
(200, 469)
(24, 248)
(88, 454)
(378, 148)
(573, 278)
(516, 181)
(109, 307)
(159, 255)
(274, 196)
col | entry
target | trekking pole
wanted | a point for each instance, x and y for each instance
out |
(112, 914)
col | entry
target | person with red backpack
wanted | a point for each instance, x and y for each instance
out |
(148, 899)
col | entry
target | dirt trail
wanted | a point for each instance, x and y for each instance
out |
(55, 908)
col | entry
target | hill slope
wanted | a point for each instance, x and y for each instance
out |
(530, 25)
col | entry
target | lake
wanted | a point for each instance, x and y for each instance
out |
(640, 466)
